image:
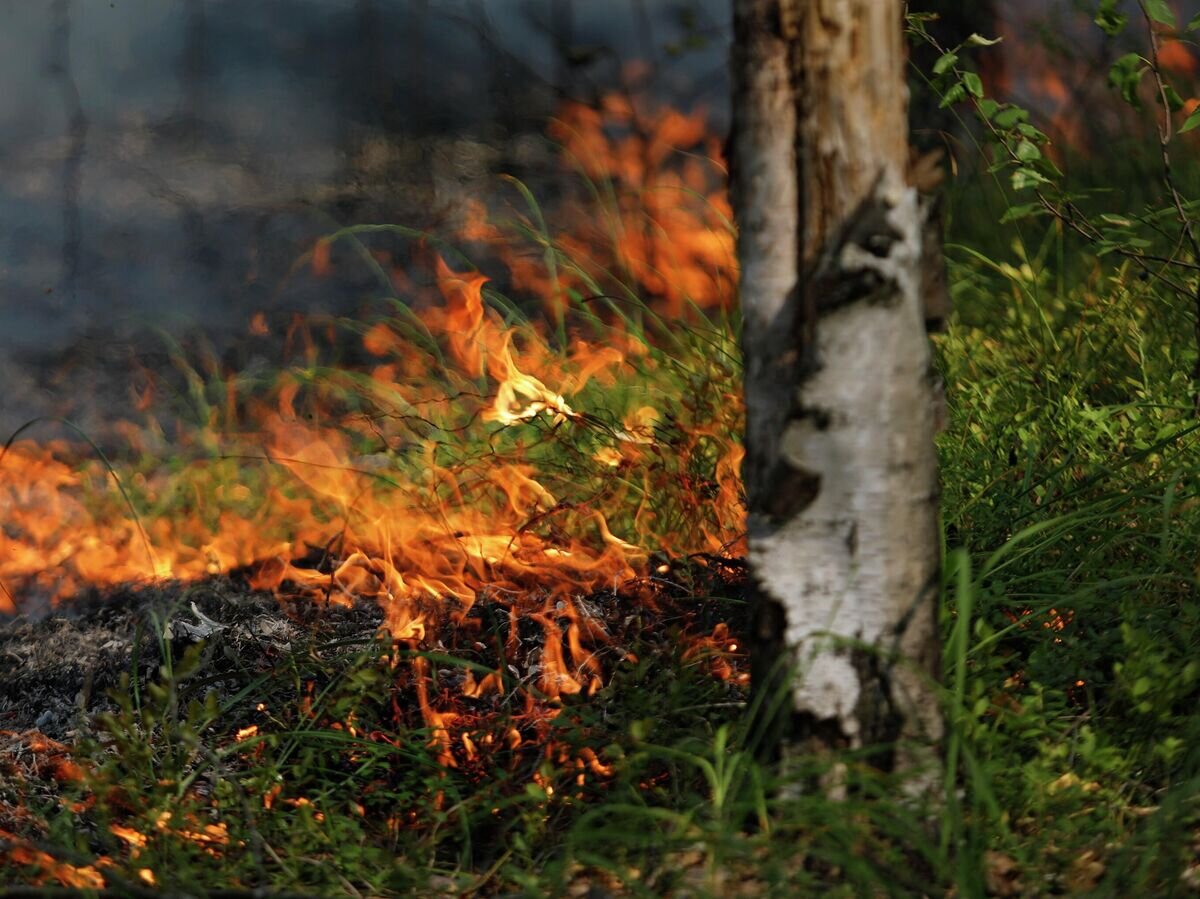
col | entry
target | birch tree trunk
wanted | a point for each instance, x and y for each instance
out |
(840, 470)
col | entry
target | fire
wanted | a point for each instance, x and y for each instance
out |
(536, 459)
(86, 877)
(245, 733)
(718, 650)
(132, 838)
(667, 227)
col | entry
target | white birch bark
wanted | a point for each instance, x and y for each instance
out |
(840, 468)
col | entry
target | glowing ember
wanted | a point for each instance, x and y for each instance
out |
(86, 877)
(128, 835)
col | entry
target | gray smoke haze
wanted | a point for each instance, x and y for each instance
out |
(164, 163)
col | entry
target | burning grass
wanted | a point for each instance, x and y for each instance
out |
(516, 488)
(472, 446)
(233, 742)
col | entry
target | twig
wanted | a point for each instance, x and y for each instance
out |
(1164, 142)
(1072, 217)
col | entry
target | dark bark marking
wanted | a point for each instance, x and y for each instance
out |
(935, 294)
(773, 365)
(880, 721)
(832, 285)
(792, 489)
(821, 418)
(770, 673)
(869, 228)
(846, 288)
(819, 734)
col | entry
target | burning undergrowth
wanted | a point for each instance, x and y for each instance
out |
(478, 445)
(158, 721)
(488, 507)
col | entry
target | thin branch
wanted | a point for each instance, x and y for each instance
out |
(1165, 132)
(1072, 217)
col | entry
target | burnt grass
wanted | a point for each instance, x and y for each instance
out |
(61, 667)
(136, 701)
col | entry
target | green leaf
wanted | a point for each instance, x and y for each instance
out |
(978, 40)
(1024, 211)
(1024, 178)
(1027, 151)
(988, 107)
(1174, 101)
(956, 93)
(1192, 121)
(1110, 21)
(1047, 165)
(974, 83)
(1160, 12)
(1125, 76)
(945, 62)
(1011, 116)
(1194, 24)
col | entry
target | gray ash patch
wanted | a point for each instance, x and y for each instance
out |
(58, 671)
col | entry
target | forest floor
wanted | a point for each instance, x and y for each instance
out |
(194, 738)
(263, 726)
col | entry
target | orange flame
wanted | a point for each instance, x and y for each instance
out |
(481, 452)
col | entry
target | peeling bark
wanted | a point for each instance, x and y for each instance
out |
(836, 251)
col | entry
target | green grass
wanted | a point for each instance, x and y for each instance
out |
(1070, 476)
